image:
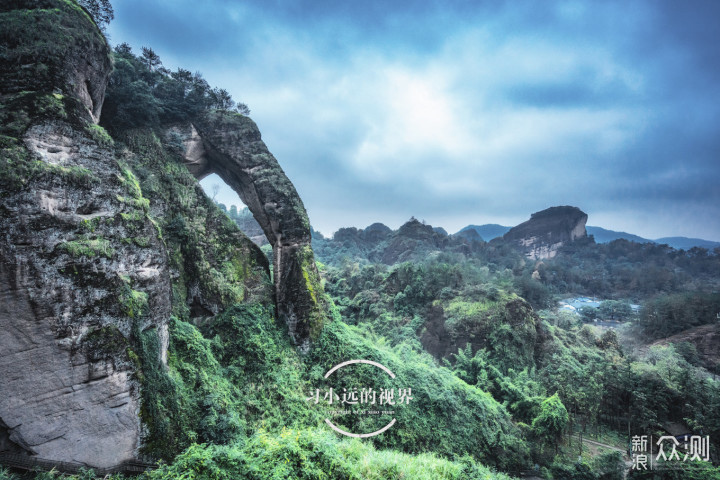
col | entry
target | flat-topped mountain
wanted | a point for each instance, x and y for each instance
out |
(548, 230)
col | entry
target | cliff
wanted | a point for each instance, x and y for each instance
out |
(109, 242)
(547, 231)
(230, 145)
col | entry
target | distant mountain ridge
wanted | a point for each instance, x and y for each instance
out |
(603, 235)
(685, 243)
(489, 231)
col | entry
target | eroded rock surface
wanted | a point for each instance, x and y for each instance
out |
(74, 284)
(548, 230)
(81, 263)
(100, 245)
(230, 145)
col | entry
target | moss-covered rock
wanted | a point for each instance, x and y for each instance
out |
(53, 46)
(231, 146)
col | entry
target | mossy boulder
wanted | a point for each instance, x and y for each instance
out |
(53, 47)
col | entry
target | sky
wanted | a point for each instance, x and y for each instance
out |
(465, 112)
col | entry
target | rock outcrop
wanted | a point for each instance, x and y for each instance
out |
(230, 145)
(486, 329)
(367, 237)
(547, 231)
(413, 236)
(101, 244)
(72, 287)
(53, 46)
(412, 241)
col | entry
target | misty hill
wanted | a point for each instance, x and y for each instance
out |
(684, 243)
(490, 231)
(487, 231)
(603, 235)
(378, 243)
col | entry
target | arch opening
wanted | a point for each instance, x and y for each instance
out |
(230, 202)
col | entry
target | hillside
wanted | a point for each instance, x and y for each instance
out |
(145, 334)
(487, 231)
(491, 316)
(603, 235)
(685, 243)
(144, 323)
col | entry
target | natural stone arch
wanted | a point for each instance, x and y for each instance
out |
(230, 146)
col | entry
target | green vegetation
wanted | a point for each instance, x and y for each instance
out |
(18, 168)
(320, 300)
(39, 39)
(134, 302)
(666, 315)
(550, 423)
(501, 346)
(87, 247)
(498, 377)
(314, 454)
(105, 343)
(100, 10)
(447, 416)
(142, 93)
(99, 134)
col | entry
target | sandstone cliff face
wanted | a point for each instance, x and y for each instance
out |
(547, 231)
(231, 146)
(73, 288)
(103, 242)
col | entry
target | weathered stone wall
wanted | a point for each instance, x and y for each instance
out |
(231, 146)
(80, 264)
(88, 279)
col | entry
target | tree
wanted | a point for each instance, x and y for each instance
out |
(222, 100)
(242, 109)
(123, 49)
(141, 92)
(588, 314)
(614, 310)
(150, 58)
(551, 421)
(100, 10)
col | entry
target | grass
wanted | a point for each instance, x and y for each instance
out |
(314, 454)
(96, 247)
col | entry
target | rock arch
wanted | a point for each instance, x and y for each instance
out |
(230, 146)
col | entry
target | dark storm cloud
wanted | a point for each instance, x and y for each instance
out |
(468, 112)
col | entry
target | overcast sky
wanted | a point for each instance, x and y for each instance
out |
(467, 112)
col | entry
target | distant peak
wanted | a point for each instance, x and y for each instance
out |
(378, 227)
(548, 230)
(565, 210)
